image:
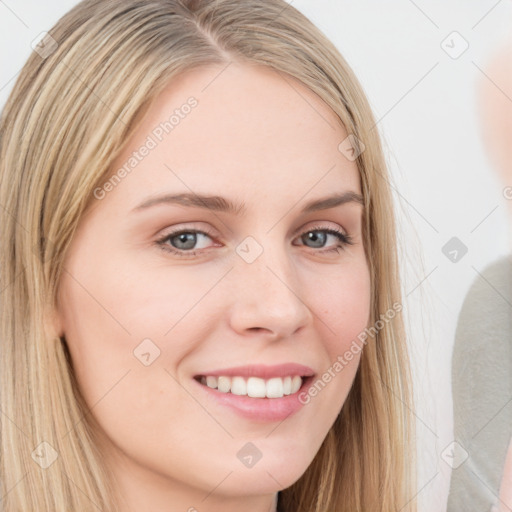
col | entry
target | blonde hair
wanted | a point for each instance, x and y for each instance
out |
(68, 117)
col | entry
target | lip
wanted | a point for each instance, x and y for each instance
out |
(262, 371)
(261, 410)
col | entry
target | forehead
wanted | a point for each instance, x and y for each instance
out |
(239, 128)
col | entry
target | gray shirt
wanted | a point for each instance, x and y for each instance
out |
(482, 389)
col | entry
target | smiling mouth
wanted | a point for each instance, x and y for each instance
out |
(254, 387)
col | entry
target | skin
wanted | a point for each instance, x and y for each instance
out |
(495, 113)
(253, 139)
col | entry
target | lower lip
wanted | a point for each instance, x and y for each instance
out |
(260, 409)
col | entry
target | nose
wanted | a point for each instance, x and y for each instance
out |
(267, 297)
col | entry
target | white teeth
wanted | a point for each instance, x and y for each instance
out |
(224, 384)
(287, 385)
(275, 388)
(211, 382)
(238, 386)
(255, 387)
(296, 384)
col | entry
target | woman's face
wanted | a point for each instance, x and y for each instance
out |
(157, 293)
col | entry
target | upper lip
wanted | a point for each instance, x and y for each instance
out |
(262, 371)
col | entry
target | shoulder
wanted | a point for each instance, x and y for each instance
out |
(488, 302)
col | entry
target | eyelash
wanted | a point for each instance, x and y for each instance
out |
(344, 239)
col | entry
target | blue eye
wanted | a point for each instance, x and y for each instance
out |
(312, 236)
(182, 241)
(186, 239)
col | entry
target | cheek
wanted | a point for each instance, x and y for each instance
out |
(98, 340)
(341, 303)
(120, 358)
(151, 299)
(343, 306)
(125, 324)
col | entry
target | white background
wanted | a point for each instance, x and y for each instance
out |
(445, 186)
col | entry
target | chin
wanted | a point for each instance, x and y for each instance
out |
(278, 472)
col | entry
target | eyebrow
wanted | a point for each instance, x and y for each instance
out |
(221, 204)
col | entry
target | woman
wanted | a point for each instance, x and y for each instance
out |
(255, 372)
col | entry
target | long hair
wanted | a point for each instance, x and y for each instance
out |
(79, 97)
